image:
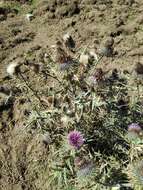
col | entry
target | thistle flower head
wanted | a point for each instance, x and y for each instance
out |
(63, 59)
(135, 128)
(75, 139)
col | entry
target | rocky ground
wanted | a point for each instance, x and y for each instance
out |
(29, 42)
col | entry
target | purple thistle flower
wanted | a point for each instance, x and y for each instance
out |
(75, 139)
(135, 128)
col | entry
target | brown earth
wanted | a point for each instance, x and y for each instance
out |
(90, 22)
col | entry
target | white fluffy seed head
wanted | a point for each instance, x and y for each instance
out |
(29, 16)
(84, 59)
(66, 37)
(11, 68)
(46, 55)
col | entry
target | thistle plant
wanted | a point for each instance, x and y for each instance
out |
(93, 102)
